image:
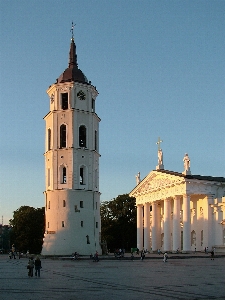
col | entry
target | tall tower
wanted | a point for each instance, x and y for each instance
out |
(72, 197)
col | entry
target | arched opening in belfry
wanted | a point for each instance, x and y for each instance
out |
(49, 139)
(64, 175)
(83, 174)
(63, 136)
(82, 136)
(64, 100)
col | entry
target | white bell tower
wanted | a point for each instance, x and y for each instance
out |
(72, 197)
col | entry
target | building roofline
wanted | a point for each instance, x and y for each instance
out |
(198, 177)
(178, 174)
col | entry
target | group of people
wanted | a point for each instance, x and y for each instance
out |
(143, 252)
(34, 264)
(75, 255)
(13, 253)
(119, 253)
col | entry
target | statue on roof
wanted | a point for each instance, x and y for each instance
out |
(160, 156)
(187, 162)
(138, 178)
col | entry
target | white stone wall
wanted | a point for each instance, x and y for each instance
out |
(72, 237)
(207, 211)
(70, 227)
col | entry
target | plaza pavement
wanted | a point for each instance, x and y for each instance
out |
(182, 277)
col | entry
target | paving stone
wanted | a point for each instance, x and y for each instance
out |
(196, 277)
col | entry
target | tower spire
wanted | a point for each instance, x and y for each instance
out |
(72, 73)
(72, 55)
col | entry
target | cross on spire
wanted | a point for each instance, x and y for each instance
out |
(71, 30)
(158, 143)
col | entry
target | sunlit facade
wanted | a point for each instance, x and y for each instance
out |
(72, 197)
(177, 211)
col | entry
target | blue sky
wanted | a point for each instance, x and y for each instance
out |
(159, 68)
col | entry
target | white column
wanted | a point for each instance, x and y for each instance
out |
(154, 227)
(139, 226)
(186, 224)
(147, 226)
(176, 223)
(207, 226)
(158, 226)
(167, 230)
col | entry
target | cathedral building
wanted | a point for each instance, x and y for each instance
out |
(180, 211)
(72, 197)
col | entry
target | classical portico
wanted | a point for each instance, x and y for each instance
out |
(178, 211)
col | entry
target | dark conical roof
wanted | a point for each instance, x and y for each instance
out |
(72, 73)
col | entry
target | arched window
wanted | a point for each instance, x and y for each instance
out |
(83, 174)
(64, 175)
(93, 105)
(64, 100)
(63, 136)
(49, 139)
(82, 136)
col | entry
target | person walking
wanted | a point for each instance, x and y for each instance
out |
(14, 251)
(165, 257)
(37, 264)
(212, 254)
(96, 257)
(30, 267)
(142, 255)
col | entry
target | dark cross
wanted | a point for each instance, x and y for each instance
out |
(71, 30)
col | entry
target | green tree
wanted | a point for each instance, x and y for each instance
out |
(5, 238)
(28, 225)
(119, 222)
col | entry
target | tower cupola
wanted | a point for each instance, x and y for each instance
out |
(72, 73)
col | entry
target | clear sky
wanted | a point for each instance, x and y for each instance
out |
(159, 68)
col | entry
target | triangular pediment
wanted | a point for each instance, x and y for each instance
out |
(158, 180)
